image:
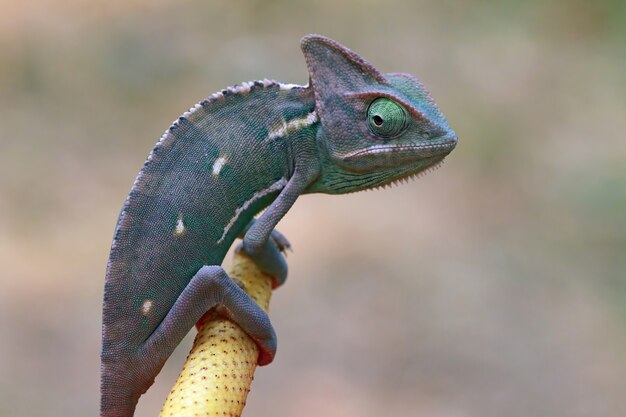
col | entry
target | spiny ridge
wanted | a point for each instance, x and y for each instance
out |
(410, 177)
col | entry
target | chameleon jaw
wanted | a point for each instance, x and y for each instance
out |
(387, 156)
(411, 175)
(423, 150)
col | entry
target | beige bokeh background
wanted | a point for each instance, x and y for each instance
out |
(494, 287)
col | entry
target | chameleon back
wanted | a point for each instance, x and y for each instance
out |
(211, 172)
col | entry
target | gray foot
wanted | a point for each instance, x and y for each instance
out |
(268, 258)
(211, 288)
(267, 255)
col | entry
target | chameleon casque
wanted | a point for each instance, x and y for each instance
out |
(256, 145)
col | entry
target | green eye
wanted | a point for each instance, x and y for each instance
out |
(386, 118)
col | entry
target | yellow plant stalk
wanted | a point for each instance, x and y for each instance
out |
(216, 377)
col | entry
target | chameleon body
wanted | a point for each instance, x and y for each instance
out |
(252, 146)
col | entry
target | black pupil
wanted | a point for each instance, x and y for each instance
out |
(378, 121)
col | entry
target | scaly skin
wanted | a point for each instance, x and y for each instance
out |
(246, 148)
(217, 374)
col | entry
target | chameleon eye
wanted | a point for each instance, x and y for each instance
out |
(386, 118)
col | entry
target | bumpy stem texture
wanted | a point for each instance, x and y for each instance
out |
(216, 377)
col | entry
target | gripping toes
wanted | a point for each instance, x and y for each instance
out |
(281, 241)
(268, 258)
(265, 246)
(240, 308)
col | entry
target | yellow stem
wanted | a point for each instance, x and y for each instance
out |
(216, 377)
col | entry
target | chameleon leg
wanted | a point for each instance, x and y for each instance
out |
(268, 255)
(211, 288)
(258, 243)
(127, 376)
(281, 240)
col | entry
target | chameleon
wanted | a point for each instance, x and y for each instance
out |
(251, 147)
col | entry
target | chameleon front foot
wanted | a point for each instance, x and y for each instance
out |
(269, 257)
(281, 241)
(267, 254)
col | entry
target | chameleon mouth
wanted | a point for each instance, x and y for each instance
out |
(382, 157)
(413, 151)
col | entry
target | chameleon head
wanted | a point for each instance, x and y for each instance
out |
(375, 128)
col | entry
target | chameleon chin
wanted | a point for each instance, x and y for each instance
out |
(256, 145)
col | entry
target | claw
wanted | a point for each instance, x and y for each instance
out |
(281, 241)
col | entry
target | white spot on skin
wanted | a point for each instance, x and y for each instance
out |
(292, 125)
(168, 137)
(146, 307)
(218, 165)
(277, 186)
(180, 228)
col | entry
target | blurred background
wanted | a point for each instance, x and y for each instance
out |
(494, 287)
